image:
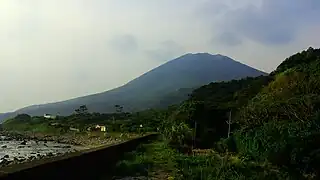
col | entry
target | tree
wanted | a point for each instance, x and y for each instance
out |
(82, 110)
(23, 117)
(119, 109)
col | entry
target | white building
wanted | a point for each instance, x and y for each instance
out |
(49, 116)
(102, 128)
(74, 129)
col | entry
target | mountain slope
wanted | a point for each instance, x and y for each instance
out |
(156, 87)
(4, 116)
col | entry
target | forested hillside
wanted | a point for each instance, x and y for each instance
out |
(275, 120)
(274, 128)
(4, 116)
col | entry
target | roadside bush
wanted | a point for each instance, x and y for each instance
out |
(179, 136)
(289, 144)
(226, 145)
(227, 167)
(155, 157)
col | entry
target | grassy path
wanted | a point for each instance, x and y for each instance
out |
(151, 161)
(159, 161)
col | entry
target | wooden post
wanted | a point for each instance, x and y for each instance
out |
(229, 123)
(195, 133)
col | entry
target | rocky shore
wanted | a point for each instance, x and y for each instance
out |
(17, 147)
(71, 139)
(18, 151)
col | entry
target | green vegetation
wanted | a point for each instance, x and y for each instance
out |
(155, 159)
(26, 123)
(274, 128)
(82, 120)
(158, 160)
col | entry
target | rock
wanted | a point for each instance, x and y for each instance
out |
(32, 158)
(5, 162)
(6, 138)
(50, 154)
(23, 143)
(5, 146)
(40, 156)
(6, 156)
(21, 159)
(20, 147)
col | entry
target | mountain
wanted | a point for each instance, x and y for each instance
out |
(167, 84)
(4, 116)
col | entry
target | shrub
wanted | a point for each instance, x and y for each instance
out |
(289, 144)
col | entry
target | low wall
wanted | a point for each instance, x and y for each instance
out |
(92, 164)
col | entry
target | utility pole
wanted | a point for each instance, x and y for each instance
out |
(195, 133)
(229, 123)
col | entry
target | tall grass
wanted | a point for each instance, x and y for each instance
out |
(150, 160)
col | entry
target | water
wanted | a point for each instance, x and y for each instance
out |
(17, 149)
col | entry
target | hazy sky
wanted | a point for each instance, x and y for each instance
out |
(52, 50)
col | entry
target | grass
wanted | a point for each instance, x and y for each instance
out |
(159, 161)
(151, 160)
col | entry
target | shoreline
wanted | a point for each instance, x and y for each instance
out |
(20, 147)
(16, 152)
(75, 139)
